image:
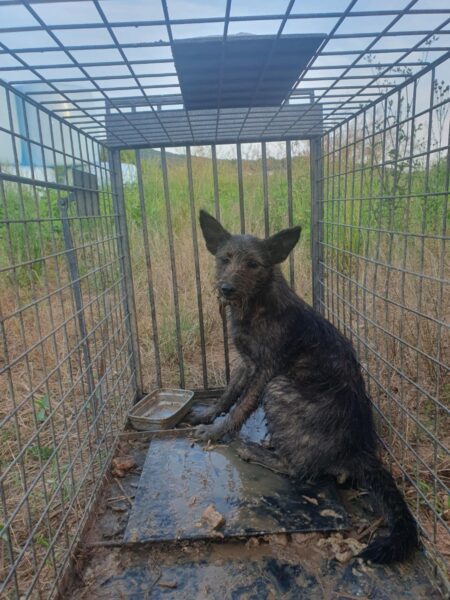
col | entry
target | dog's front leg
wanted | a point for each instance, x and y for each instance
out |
(234, 420)
(238, 380)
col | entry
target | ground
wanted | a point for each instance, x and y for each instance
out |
(309, 565)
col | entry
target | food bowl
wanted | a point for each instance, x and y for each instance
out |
(161, 409)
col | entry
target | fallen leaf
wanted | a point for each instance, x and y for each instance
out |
(213, 518)
(171, 585)
(343, 549)
(118, 472)
(344, 557)
(123, 463)
(327, 512)
(279, 539)
(311, 500)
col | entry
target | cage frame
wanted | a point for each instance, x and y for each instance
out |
(91, 129)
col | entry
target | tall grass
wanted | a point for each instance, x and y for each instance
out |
(365, 215)
(182, 214)
(382, 230)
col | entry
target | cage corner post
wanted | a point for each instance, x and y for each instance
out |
(126, 268)
(316, 174)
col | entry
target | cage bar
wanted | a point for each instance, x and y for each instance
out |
(106, 289)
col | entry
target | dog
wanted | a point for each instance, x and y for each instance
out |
(306, 375)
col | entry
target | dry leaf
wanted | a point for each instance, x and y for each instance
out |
(123, 463)
(214, 519)
(311, 500)
(171, 585)
(327, 512)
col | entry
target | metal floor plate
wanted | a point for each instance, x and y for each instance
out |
(180, 479)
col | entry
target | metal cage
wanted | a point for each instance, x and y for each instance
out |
(105, 286)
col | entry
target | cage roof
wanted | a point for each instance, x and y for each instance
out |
(173, 72)
(241, 71)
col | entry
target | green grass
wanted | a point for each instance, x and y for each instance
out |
(388, 198)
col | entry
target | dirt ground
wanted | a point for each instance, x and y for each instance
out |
(310, 565)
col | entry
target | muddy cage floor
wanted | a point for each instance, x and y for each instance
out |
(266, 539)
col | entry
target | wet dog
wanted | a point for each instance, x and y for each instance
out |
(306, 375)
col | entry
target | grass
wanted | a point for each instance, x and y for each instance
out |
(408, 418)
(391, 201)
(181, 215)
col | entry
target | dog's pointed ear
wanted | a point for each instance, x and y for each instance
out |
(213, 232)
(280, 244)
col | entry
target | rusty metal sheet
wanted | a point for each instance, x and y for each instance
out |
(180, 479)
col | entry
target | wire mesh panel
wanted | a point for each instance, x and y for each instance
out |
(83, 60)
(91, 86)
(253, 188)
(383, 268)
(66, 369)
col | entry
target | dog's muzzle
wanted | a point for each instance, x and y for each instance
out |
(226, 290)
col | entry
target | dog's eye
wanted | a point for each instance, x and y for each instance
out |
(252, 264)
(224, 260)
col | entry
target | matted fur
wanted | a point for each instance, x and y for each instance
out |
(307, 376)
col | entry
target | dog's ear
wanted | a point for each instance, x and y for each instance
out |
(213, 232)
(280, 244)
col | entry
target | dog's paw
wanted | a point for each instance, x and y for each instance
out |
(244, 453)
(200, 415)
(213, 433)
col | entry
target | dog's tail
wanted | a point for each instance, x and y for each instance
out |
(402, 538)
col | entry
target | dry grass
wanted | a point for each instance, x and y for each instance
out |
(188, 311)
(40, 380)
(53, 450)
(403, 381)
(411, 393)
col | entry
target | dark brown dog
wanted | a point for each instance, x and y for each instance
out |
(306, 375)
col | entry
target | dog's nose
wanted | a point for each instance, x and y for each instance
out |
(226, 289)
